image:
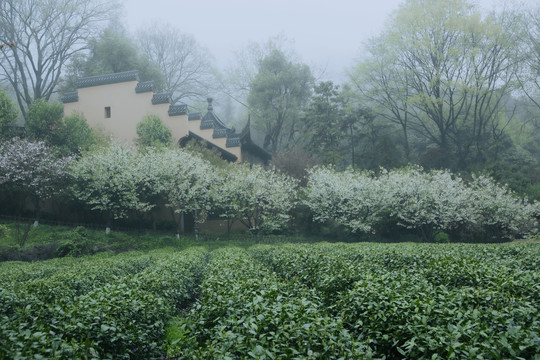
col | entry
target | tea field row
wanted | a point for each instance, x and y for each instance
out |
(288, 301)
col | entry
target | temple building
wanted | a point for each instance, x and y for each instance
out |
(115, 103)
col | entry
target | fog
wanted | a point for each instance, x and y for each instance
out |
(327, 35)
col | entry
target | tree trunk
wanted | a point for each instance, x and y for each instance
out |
(21, 237)
(36, 215)
(196, 225)
(108, 226)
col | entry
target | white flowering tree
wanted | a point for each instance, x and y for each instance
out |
(108, 181)
(426, 202)
(151, 166)
(500, 213)
(350, 198)
(258, 198)
(184, 180)
(32, 170)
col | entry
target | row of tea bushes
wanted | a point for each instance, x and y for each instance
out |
(246, 311)
(425, 301)
(105, 307)
(289, 301)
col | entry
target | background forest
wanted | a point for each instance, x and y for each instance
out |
(443, 86)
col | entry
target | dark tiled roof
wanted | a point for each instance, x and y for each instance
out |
(145, 86)
(69, 97)
(250, 139)
(219, 133)
(195, 116)
(233, 141)
(207, 124)
(161, 98)
(175, 110)
(108, 79)
(211, 120)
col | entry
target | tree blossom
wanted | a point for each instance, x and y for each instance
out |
(33, 170)
(351, 198)
(428, 202)
(107, 180)
(184, 180)
(258, 198)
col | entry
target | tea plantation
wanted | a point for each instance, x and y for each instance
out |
(287, 301)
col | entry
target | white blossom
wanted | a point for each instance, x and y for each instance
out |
(107, 180)
(32, 169)
(260, 199)
(428, 202)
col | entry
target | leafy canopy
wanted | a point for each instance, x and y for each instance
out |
(153, 132)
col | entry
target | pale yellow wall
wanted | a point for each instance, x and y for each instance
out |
(128, 108)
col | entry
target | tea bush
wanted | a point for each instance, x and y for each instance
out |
(245, 310)
(293, 301)
(95, 307)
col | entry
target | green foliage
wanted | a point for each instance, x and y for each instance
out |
(99, 307)
(8, 116)
(3, 231)
(75, 243)
(44, 121)
(153, 132)
(75, 135)
(324, 124)
(423, 301)
(111, 52)
(70, 135)
(212, 155)
(245, 309)
(277, 93)
(315, 301)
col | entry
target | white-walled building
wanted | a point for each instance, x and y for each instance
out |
(115, 103)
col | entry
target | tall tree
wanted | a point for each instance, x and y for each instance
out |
(277, 93)
(384, 85)
(46, 33)
(8, 116)
(450, 70)
(185, 65)
(530, 75)
(324, 124)
(111, 52)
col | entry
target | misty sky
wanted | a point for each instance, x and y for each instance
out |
(327, 34)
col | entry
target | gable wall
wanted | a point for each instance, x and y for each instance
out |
(128, 108)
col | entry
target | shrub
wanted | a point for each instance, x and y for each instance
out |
(425, 202)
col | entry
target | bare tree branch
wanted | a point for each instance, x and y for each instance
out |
(47, 33)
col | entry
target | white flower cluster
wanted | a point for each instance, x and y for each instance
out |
(32, 168)
(116, 180)
(429, 202)
(260, 199)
